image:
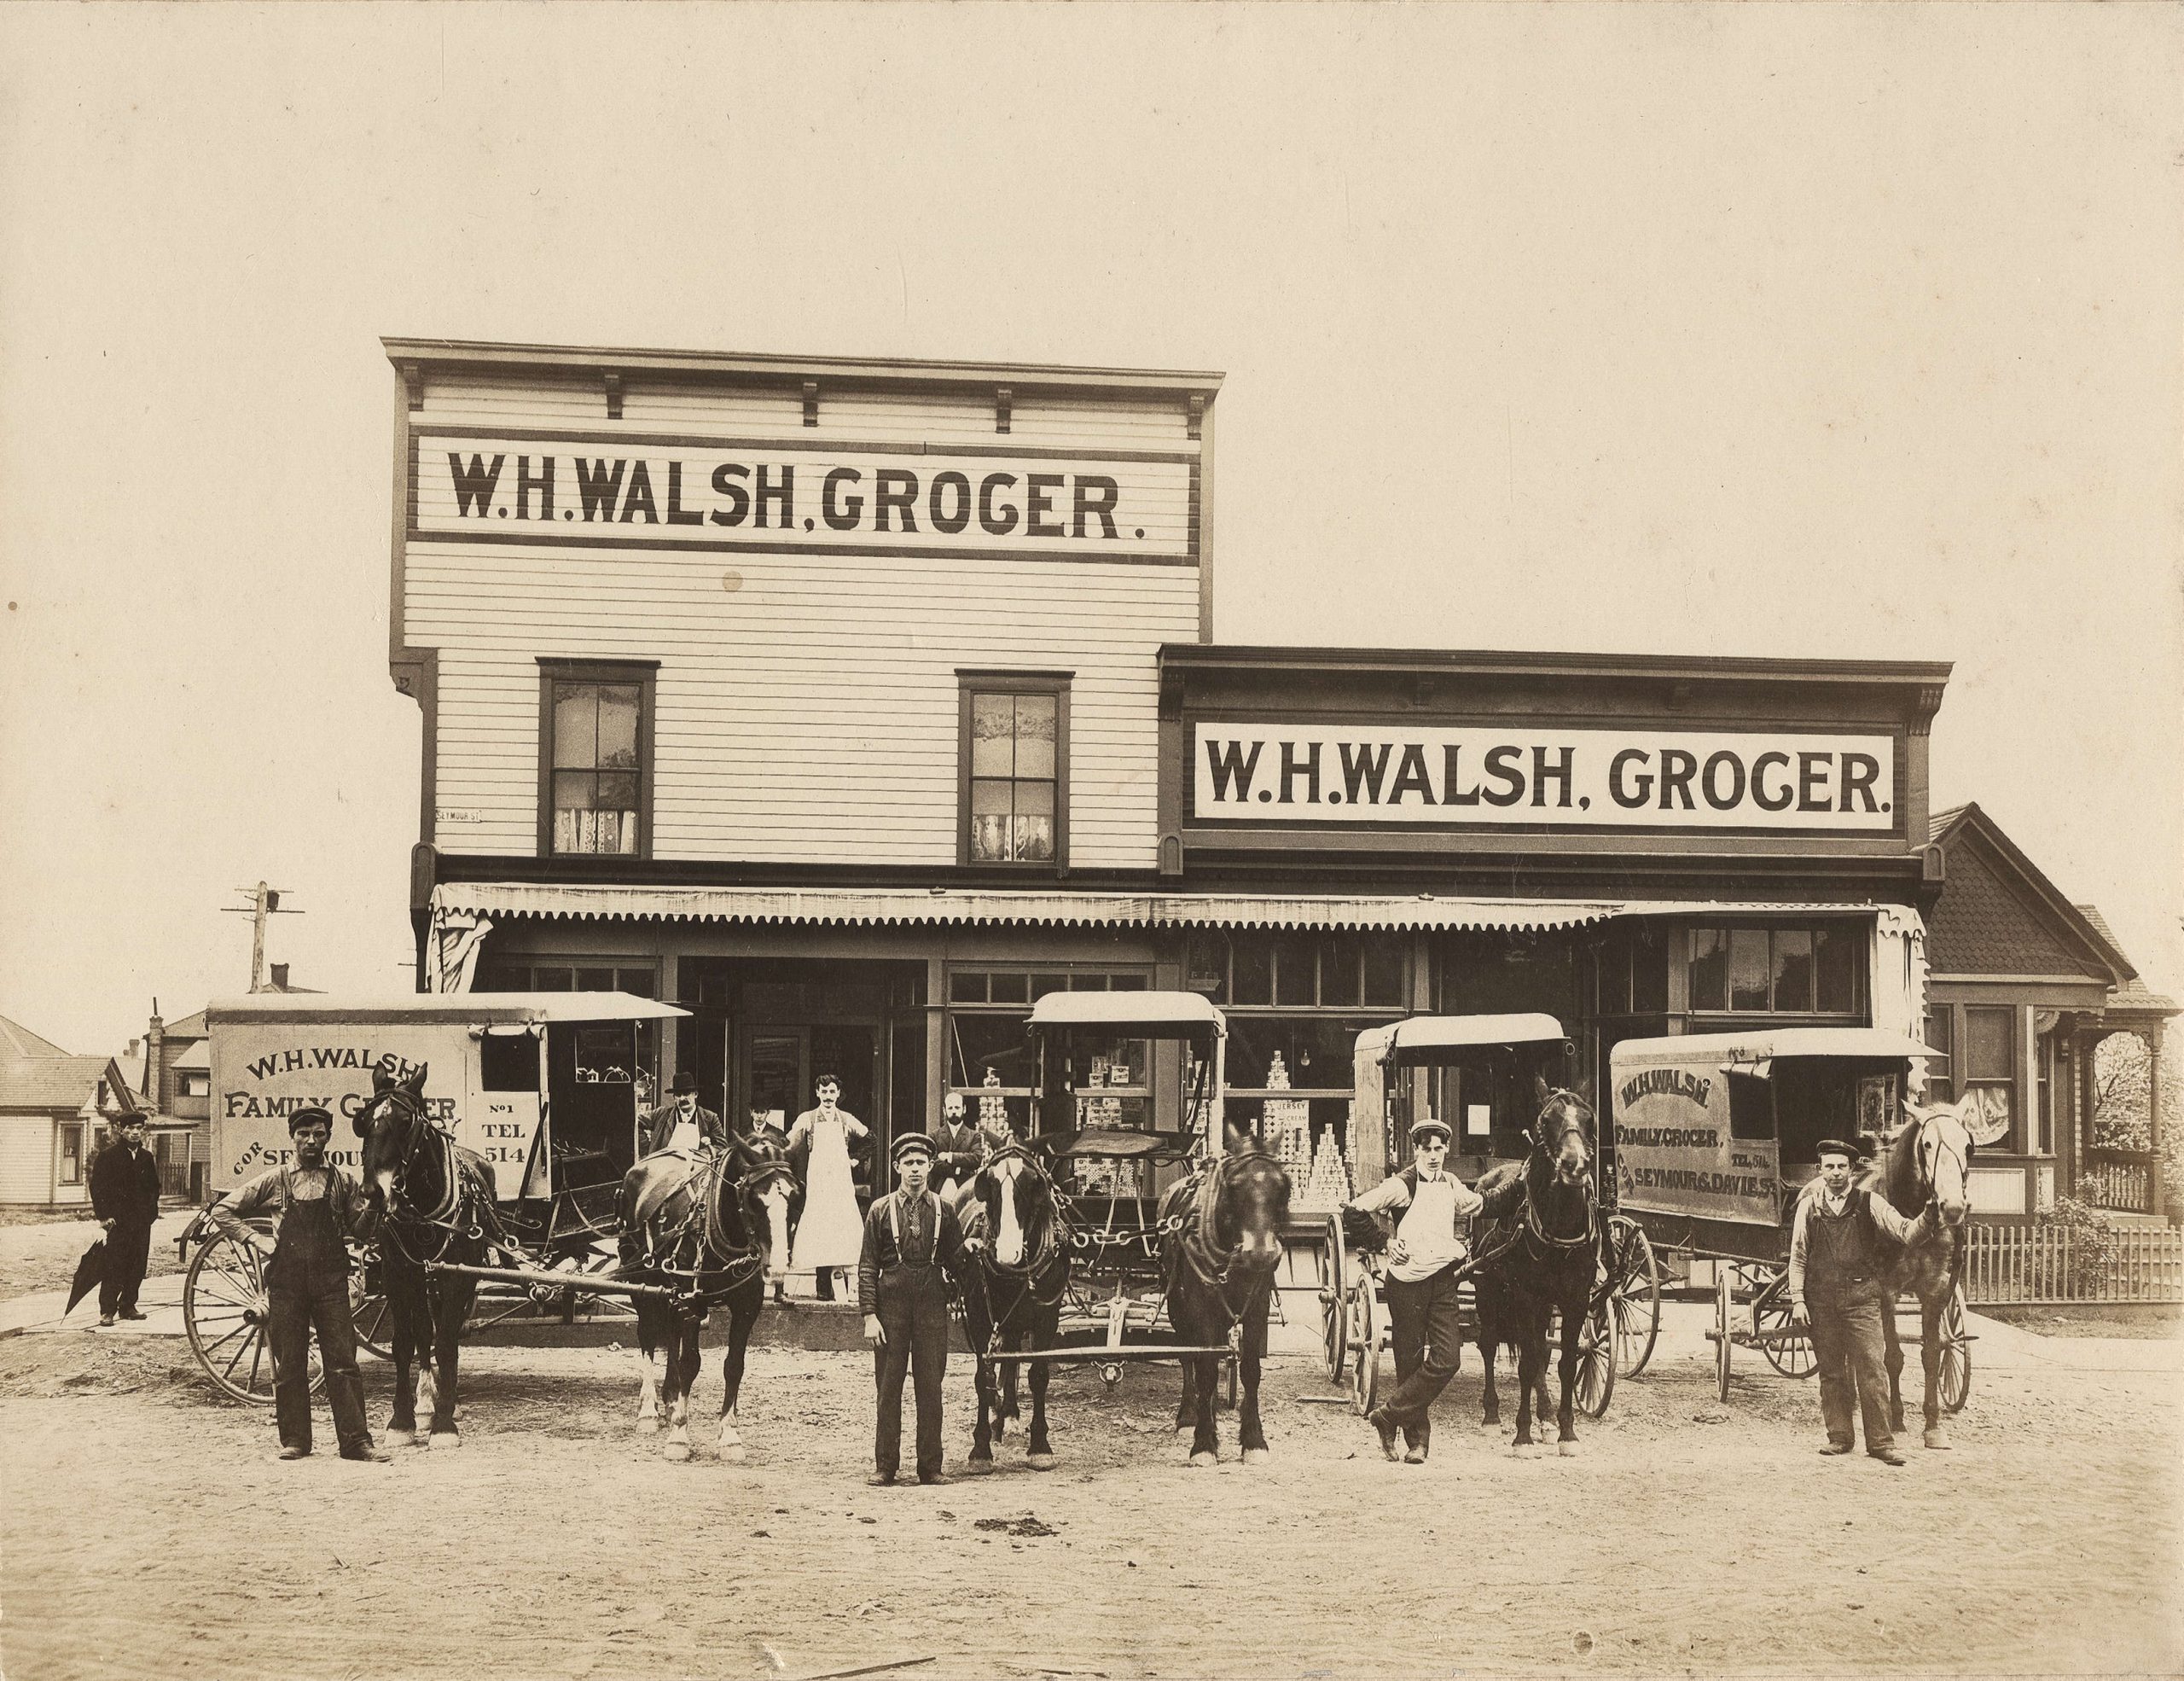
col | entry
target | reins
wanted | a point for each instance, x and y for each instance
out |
(700, 1235)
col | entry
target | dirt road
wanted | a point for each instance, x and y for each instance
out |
(148, 1531)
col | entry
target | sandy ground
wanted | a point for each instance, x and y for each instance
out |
(42, 1255)
(149, 1530)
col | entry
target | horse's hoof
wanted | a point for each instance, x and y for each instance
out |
(732, 1453)
(1567, 1449)
(1040, 1462)
(1208, 1458)
(976, 1467)
(1257, 1456)
(446, 1439)
(1490, 1427)
(676, 1451)
(648, 1427)
(1523, 1449)
(1938, 1437)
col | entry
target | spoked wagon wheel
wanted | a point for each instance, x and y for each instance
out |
(1333, 1329)
(1772, 1314)
(1596, 1352)
(1956, 1354)
(1634, 1303)
(368, 1307)
(1364, 1337)
(1723, 1300)
(224, 1310)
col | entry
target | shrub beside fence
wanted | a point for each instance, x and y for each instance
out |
(2054, 1262)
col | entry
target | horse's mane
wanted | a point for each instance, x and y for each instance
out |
(1893, 1170)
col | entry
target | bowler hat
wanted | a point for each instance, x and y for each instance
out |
(685, 1081)
(301, 1117)
(910, 1141)
(1431, 1128)
(1837, 1147)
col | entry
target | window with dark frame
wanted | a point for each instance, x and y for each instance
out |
(71, 1153)
(1989, 1071)
(1805, 969)
(1015, 772)
(595, 759)
(988, 1011)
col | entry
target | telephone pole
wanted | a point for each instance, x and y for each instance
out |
(264, 902)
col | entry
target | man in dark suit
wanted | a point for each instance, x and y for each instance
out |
(680, 1123)
(126, 1198)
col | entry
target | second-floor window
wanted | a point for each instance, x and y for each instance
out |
(1015, 768)
(595, 751)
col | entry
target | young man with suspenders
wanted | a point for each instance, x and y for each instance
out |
(911, 1239)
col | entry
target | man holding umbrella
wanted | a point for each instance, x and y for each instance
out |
(125, 1199)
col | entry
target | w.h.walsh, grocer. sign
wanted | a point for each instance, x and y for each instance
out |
(658, 494)
(1498, 775)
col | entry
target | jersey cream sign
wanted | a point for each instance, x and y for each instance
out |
(1565, 778)
(617, 490)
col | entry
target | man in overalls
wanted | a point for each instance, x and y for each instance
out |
(314, 1206)
(909, 1238)
(1837, 1278)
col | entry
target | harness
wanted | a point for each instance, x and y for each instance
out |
(1529, 1229)
(1038, 1264)
(457, 1214)
(681, 1251)
(1198, 1247)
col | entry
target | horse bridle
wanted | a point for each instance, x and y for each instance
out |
(703, 1221)
(448, 1217)
(1055, 1236)
(1217, 1269)
(1533, 1228)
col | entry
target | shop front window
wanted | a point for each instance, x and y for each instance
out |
(621, 1050)
(993, 1066)
(1813, 970)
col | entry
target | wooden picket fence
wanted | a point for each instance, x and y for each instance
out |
(2042, 1263)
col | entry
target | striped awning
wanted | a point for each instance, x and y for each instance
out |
(873, 906)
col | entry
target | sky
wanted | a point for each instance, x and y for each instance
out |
(1838, 332)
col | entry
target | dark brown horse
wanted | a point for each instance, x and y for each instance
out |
(1927, 1160)
(712, 1228)
(436, 1199)
(1221, 1247)
(1014, 1298)
(1545, 1250)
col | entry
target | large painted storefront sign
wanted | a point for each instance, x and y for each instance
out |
(657, 493)
(1496, 777)
(263, 1071)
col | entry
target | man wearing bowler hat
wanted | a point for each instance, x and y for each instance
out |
(315, 1207)
(1837, 1266)
(681, 1123)
(125, 1199)
(1436, 1207)
(910, 1236)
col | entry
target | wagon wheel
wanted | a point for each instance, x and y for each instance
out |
(1773, 1312)
(1636, 1300)
(224, 1310)
(368, 1310)
(1364, 1317)
(1955, 1373)
(1596, 1359)
(1333, 1332)
(1723, 1295)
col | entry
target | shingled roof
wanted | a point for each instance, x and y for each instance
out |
(2134, 995)
(17, 1040)
(52, 1084)
(1999, 914)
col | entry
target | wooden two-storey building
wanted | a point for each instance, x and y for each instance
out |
(854, 705)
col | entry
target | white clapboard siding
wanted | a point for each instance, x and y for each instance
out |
(25, 1157)
(810, 714)
(753, 411)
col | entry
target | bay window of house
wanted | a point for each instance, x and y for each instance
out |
(1296, 1000)
(1807, 970)
(595, 757)
(994, 1067)
(1012, 755)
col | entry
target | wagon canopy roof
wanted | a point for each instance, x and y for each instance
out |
(486, 1008)
(1424, 1033)
(1754, 1052)
(1145, 1014)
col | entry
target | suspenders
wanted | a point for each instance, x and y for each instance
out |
(895, 1219)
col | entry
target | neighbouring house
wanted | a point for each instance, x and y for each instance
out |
(55, 1110)
(2023, 987)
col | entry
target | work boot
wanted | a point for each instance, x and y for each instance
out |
(1385, 1427)
(1887, 1455)
(131, 1313)
(1833, 1448)
(1421, 1442)
(292, 1452)
(880, 1480)
(368, 1455)
(106, 1319)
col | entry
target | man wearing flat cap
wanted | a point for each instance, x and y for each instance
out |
(1420, 1287)
(909, 1238)
(315, 1207)
(681, 1123)
(1837, 1279)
